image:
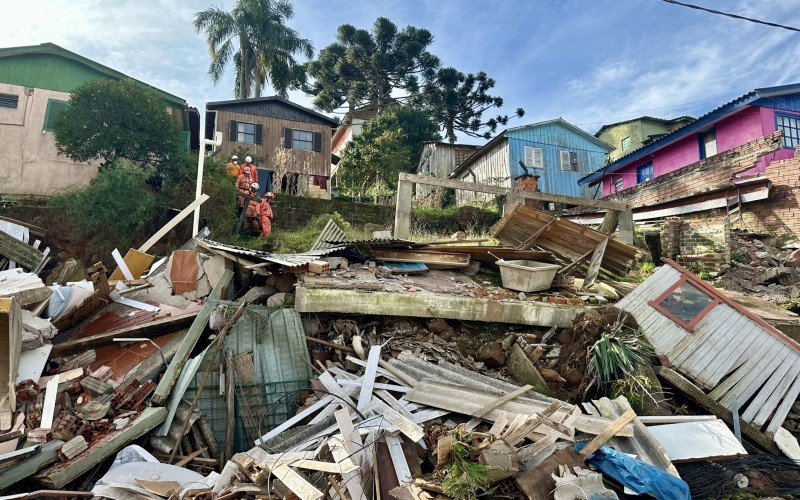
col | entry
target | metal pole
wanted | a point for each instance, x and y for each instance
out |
(201, 159)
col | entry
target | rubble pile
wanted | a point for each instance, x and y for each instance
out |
(387, 368)
(763, 270)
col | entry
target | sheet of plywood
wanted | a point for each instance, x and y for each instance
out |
(183, 271)
(702, 440)
(137, 262)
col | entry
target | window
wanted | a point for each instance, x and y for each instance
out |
(246, 132)
(533, 157)
(708, 144)
(626, 143)
(685, 303)
(790, 126)
(569, 161)
(618, 185)
(53, 111)
(9, 101)
(644, 172)
(302, 140)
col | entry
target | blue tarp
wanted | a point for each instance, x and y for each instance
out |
(638, 476)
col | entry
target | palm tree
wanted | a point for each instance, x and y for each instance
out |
(266, 46)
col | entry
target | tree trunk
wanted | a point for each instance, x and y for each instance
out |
(451, 134)
(244, 87)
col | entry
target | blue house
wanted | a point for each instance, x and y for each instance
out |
(557, 151)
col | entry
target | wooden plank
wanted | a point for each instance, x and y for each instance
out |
(230, 404)
(136, 262)
(10, 352)
(368, 381)
(485, 188)
(299, 417)
(402, 214)
(767, 408)
(295, 482)
(406, 426)
(189, 341)
(19, 252)
(483, 410)
(122, 265)
(147, 245)
(399, 461)
(532, 238)
(786, 405)
(608, 433)
(23, 469)
(64, 473)
(594, 264)
(695, 394)
(49, 405)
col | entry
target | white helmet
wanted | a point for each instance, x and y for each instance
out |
(248, 159)
(254, 186)
(234, 157)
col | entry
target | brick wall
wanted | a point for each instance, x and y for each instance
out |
(701, 177)
(700, 243)
(292, 212)
(780, 214)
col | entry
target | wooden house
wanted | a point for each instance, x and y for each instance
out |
(264, 125)
(556, 151)
(439, 159)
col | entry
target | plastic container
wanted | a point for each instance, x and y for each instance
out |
(527, 275)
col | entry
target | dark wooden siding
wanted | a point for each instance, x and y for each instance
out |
(272, 109)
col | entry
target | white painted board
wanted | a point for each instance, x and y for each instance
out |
(697, 440)
(32, 363)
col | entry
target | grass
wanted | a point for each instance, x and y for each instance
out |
(616, 354)
(300, 240)
(739, 257)
(464, 477)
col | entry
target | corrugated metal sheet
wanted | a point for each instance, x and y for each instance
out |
(286, 259)
(744, 362)
(329, 237)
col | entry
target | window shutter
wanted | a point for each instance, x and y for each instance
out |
(316, 145)
(565, 160)
(233, 133)
(538, 158)
(287, 138)
(529, 156)
(259, 134)
(573, 162)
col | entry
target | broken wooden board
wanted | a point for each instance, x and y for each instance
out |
(432, 259)
(10, 351)
(433, 305)
(20, 252)
(64, 473)
(23, 469)
(469, 401)
(137, 262)
(147, 245)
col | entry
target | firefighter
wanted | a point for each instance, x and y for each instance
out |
(249, 168)
(233, 166)
(253, 208)
(265, 214)
(243, 185)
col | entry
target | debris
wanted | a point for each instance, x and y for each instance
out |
(583, 483)
(689, 441)
(525, 372)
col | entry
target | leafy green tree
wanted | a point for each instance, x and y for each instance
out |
(255, 36)
(457, 103)
(108, 120)
(365, 67)
(388, 144)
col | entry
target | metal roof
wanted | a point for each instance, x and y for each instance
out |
(217, 104)
(502, 135)
(699, 124)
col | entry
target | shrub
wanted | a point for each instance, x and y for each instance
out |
(114, 208)
(446, 221)
(616, 354)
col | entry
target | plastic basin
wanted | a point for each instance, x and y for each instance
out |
(527, 275)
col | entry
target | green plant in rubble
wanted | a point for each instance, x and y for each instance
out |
(616, 354)
(739, 257)
(464, 477)
(635, 388)
(704, 275)
(793, 307)
(647, 267)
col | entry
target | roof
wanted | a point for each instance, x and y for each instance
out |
(274, 98)
(667, 121)
(55, 50)
(698, 125)
(502, 135)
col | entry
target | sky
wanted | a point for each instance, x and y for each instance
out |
(588, 61)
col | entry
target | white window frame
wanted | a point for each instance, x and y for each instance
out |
(618, 185)
(625, 145)
(565, 161)
(242, 135)
(534, 157)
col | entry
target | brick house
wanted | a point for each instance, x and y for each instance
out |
(751, 116)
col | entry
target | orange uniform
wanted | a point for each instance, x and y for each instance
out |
(265, 215)
(243, 185)
(249, 168)
(234, 169)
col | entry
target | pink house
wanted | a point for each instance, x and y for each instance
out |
(756, 114)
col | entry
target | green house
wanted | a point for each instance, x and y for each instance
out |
(632, 134)
(35, 83)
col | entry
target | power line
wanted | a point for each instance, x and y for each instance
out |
(734, 16)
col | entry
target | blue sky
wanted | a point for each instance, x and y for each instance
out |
(588, 61)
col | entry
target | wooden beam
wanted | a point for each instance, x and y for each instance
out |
(502, 399)
(15, 473)
(190, 340)
(64, 473)
(608, 433)
(169, 226)
(626, 233)
(149, 329)
(594, 264)
(532, 238)
(435, 305)
(610, 222)
(20, 252)
(688, 389)
(230, 404)
(485, 188)
(32, 229)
